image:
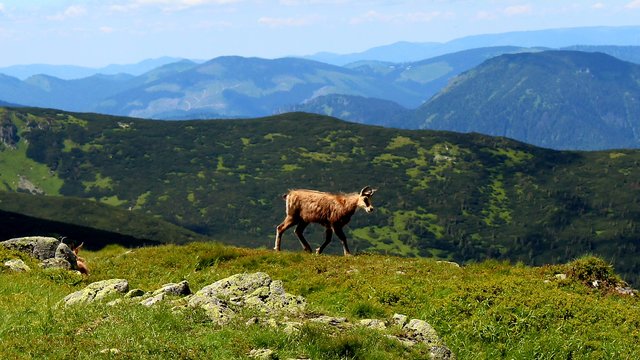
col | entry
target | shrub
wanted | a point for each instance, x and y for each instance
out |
(592, 270)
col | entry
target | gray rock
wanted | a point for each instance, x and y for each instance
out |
(330, 320)
(39, 247)
(17, 265)
(97, 291)
(255, 290)
(153, 299)
(400, 319)
(63, 251)
(55, 263)
(422, 331)
(441, 352)
(236, 286)
(375, 324)
(264, 354)
(292, 327)
(180, 289)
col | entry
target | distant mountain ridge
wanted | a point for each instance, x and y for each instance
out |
(71, 72)
(235, 86)
(556, 99)
(404, 51)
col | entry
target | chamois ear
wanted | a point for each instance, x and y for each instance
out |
(367, 191)
(77, 248)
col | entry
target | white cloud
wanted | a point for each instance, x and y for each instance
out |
(598, 6)
(72, 11)
(312, 2)
(106, 29)
(1, 8)
(518, 10)
(485, 15)
(167, 5)
(413, 17)
(286, 22)
(633, 5)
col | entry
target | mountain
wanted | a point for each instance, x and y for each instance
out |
(556, 99)
(626, 53)
(237, 86)
(552, 38)
(70, 72)
(423, 78)
(79, 94)
(448, 195)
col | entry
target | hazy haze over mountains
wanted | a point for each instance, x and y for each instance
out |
(366, 90)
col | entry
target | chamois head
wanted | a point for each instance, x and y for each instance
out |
(81, 262)
(364, 201)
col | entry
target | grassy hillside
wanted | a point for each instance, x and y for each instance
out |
(488, 310)
(82, 220)
(445, 195)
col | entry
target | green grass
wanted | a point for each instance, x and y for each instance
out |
(15, 164)
(487, 310)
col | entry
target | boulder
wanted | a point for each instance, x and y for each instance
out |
(375, 324)
(97, 291)
(39, 247)
(63, 251)
(221, 299)
(420, 330)
(179, 289)
(17, 265)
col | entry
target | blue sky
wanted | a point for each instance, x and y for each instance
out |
(102, 32)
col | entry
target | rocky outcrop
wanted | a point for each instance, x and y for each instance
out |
(223, 298)
(226, 298)
(96, 291)
(8, 134)
(52, 252)
(24, 184)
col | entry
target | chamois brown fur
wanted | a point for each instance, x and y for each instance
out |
(81, 262)
(333, 211)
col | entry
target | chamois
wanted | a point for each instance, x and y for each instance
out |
(333, 211)
(82, 263)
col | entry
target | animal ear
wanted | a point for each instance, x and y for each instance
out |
(367, 191)
(77, 248)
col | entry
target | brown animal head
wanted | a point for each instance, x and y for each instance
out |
(82, 263)
(364, 201)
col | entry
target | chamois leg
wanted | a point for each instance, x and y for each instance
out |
(343, 238)
(327, 239)
(287, 223)
(299, 232)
